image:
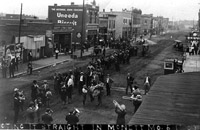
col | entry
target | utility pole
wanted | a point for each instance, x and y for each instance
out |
(82, 28)
(20, 20)
(131, 23)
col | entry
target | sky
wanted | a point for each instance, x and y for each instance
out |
(173, 9)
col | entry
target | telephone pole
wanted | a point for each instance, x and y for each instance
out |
(20, 20)
(82, 37)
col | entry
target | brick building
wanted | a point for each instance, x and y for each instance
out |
(146, 23)
(107, 25)
(73, 24)
(160, 24)
(127, 22)
(9, 26)
(136, 24)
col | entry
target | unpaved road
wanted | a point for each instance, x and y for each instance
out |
(90, 114)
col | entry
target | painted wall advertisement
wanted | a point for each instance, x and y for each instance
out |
(65, 16)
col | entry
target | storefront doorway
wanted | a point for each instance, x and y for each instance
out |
(63, 41)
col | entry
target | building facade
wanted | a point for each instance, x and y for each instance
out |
(136, 22)
(107, 26)
(127, 23)
(9, 26)
(160, 25)
(146, 23)
(73, 24)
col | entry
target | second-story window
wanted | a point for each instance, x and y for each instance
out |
(95, 15)
(90, 17)
(113, 23)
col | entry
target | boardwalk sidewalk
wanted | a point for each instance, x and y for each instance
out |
(46, 62)
(192, 63)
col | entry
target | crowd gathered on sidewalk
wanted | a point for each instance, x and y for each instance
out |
(193, 48)
(11, 65)
(89, 83)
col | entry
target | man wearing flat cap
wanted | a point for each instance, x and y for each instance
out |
(34, 90)
(47, 117)
(81, 82)
(71, 118)
(43, 90)
(16, 105)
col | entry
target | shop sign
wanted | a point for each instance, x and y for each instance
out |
(92, 32)
(68, 16)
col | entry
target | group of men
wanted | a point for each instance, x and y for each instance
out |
(194, 48)
(40, 96)
(11, 64)
(88, 83)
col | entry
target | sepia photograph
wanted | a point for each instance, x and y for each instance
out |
(104, 63)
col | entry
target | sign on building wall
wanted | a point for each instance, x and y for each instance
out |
(65, 16)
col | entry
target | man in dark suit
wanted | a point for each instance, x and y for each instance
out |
(130, 80)
(81, 82)
(72, 118)
(108, 83)
(16, 105)
(34, 90)
(47, 117)
(16, 63)
(30, 56)
(12, 68)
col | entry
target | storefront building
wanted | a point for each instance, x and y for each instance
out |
(73, 25)
(127, 23)
(147, 23)
(107, 26)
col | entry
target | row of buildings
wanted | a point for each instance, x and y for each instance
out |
(69, 25)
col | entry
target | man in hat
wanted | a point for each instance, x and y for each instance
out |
(56, 52)
(16, 105)
(71, 118)
(136, 90)
(70, 85)
(137, 102)
(12, 68)
(30, 56)
(55, 77)
(121, 114)
(34, 90)
(16, 63)
(4, 67)
(47, 117)
(108, 83)
(81, 82)
(129, 80)
(30, 68)
(84, 91)
(43, 90)
(32, 109)
(63, 93)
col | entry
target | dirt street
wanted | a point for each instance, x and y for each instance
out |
(91, 114)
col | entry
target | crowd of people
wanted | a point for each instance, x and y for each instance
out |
(9, 66)
(91, 82)
(193, 48)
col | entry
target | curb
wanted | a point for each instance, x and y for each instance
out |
(42, 67)
(51, 64)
